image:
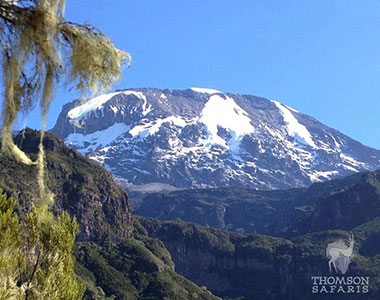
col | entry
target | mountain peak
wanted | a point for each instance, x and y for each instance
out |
(206, 138)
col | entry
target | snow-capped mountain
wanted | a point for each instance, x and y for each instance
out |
(195, 138)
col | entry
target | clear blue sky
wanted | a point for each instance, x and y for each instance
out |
(321, 57)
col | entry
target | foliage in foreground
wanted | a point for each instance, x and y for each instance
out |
(36, 259)
(35, 40)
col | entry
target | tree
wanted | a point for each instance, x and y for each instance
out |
(39, 48)
(36, 254)
(35, 39)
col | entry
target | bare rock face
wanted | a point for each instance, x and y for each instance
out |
(81, 187)
(226, 263)
(201, 138)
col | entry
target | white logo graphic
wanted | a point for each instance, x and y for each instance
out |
(340, 254)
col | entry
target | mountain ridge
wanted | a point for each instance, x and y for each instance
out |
(202, 138)
(336, 204)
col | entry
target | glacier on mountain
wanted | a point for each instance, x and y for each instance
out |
(200, 137)
(222, 111)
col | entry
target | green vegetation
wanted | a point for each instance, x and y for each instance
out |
(254, 266)
(203, 237)
(138, 268)
(81, 187)
(35, 251)
(120, 257)
(36, 254)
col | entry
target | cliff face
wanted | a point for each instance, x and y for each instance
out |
(232, 209)
(139, 268)
(254, 266)
(81, 187)
(233, 265)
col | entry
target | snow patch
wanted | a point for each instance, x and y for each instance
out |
(114, 109)
(350, 160)
(322, 175)
(90, 105)
(350, 168)
(294, 128)
(205, 90)
(291, 108)
(89, 142)
(337, 145)
(150, 128)
(98, 102)
(145, 107)
(225, 113)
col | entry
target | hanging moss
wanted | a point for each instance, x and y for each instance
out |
(95, 62)
(34, 37)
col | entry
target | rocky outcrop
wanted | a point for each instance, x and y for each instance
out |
(81, 187)
(353, 201)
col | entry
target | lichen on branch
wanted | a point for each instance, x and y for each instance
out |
(35, 40)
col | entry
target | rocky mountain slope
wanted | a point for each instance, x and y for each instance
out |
(233, 209)
(139, 268)
(81, 187)
(115, 259)
(154, 139)
(336, 204)
(352, 201)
